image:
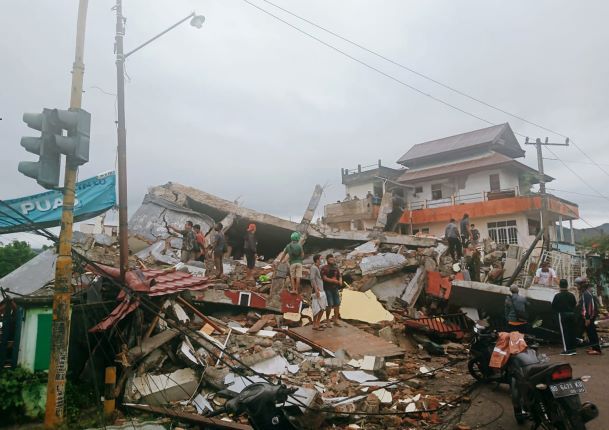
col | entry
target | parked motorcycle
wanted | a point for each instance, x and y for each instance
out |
(547, 394)
(542, 392)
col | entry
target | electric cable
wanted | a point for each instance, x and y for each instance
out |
(437, 82)
(413, 88)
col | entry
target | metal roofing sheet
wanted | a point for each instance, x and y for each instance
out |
(32, 276)
(459, 141)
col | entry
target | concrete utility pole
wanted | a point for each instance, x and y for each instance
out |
(123, 222)
(123, 234)
(58, 365)
(545, 221)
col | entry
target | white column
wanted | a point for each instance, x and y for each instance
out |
(561, 233)
(572, 232)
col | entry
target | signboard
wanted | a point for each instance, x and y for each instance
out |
(93, 197)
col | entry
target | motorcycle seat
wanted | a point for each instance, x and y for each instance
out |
(531, 370)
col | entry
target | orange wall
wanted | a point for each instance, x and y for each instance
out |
(488, 209)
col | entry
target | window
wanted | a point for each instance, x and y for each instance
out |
(495, 183)
(436, 191)
(504, 232)
(418, 190)
(424, 230)
(534, 227)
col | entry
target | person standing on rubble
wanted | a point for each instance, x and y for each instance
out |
(333, 281)
(588, 306)
(295, 255)
(250, 246)
(564, 304)
(451, 233)
(466, 234)
(475, 235)
(200, 238)
(318, 295)
(218, 246)
(516, 311)
(189, 242)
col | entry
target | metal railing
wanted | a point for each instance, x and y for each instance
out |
(458, 199)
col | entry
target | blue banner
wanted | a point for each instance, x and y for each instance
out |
(93, 197)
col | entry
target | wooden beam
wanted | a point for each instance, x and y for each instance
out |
(211, 423)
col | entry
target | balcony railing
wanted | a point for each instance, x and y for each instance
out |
(464, 198)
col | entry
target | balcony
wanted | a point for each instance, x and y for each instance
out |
(486, 204)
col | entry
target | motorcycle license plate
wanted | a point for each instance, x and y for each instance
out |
(567, 388)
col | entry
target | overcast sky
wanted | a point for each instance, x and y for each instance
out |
(247, 107)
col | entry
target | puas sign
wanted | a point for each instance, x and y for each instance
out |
(93, 197)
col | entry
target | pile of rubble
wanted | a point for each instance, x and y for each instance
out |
(189, 342)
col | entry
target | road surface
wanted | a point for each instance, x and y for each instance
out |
(491, 407)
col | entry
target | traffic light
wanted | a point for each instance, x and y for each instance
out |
(46, 170)
(75, 145)
(52, 143)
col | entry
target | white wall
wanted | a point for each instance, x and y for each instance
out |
(359, 190)
(524, 239)
(475, 183)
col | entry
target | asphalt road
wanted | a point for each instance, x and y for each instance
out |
(491, 407)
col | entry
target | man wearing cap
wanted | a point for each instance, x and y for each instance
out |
(295, 255)
(589, 311)
(250, 248)
(564, 304)
(516, 312)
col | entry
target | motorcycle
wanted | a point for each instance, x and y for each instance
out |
(259, 402)
(480, 351)
(542, 392)
(547, 394)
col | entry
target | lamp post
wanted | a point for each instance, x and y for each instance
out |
(195, 21)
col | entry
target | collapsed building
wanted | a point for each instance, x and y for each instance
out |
(184, 341)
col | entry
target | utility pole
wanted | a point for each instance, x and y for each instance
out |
(123, 236)
(545, 220)
(121, 56)
(58, 365)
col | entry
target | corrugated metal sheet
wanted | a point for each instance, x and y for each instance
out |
(483, 136)
(32, 276)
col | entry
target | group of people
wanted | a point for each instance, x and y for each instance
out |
(326, 282)
(462, 236)
(574, 317)
(196, 246)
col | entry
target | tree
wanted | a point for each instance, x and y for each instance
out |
(598, 243)
(14, 255)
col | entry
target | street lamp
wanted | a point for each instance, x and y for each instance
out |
(196, 21)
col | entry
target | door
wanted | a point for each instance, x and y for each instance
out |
(43, 342)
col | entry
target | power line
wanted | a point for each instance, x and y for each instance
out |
(435, 81)
(575, 192)
(399, 81)
(363, 63)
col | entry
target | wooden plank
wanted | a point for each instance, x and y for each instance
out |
(200, 314)
(204, 422)
(356, 342)
(259, 325)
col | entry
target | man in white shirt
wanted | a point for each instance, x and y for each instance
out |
(318, 296)
(545, 275)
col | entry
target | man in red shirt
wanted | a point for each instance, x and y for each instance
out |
(200, 238)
